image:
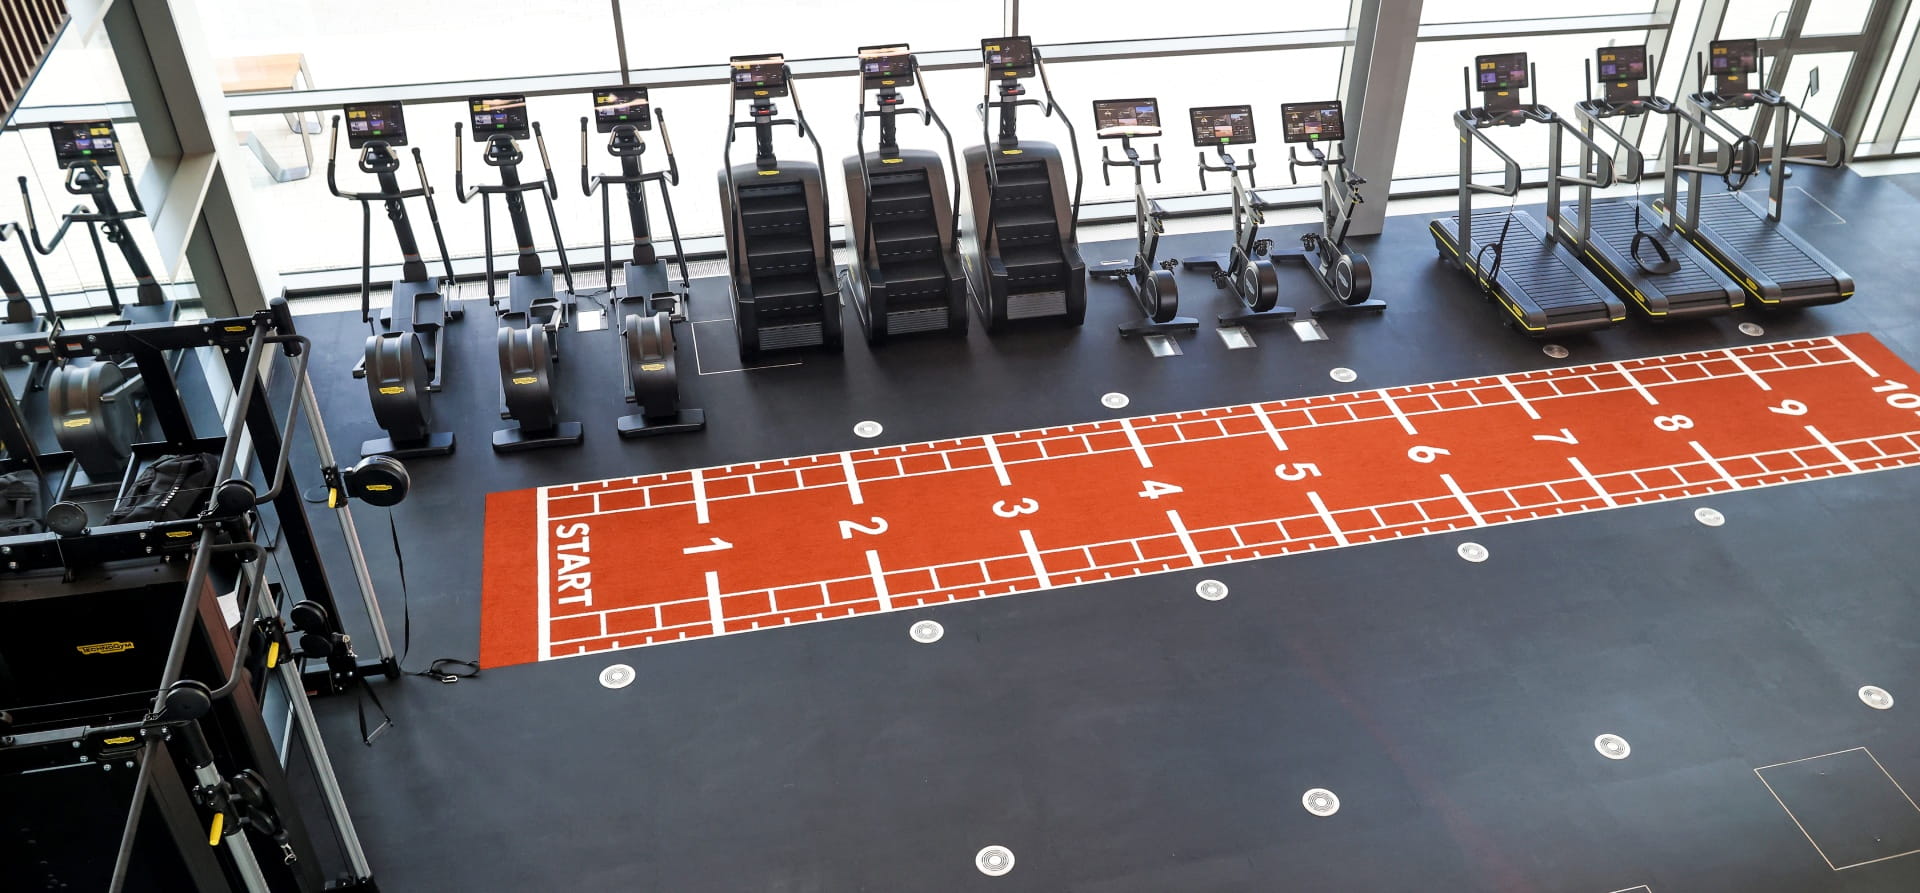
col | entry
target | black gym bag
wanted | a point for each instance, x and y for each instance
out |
(171, 488)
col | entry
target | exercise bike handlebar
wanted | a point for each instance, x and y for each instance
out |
(1228, 166)
(1133, 161)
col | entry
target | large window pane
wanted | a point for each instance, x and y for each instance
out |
(1075, 21)
(1883, 95)
(355, 43)
(667, 33)
(1435, 12)
(1836, 17)
(1833, 74)
(1428, 142)
(1753, 18)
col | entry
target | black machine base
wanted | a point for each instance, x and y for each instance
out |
(1152, 327)
(1338, 308)
(514, 440)
(637, 425)
(439, 443)
(1217, 266)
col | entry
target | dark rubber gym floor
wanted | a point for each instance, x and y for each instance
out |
(1128, 736)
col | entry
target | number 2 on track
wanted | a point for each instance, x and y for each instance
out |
(875, 526)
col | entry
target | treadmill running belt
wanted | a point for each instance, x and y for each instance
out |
(1758, 239)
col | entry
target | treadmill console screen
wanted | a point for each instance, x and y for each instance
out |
(1008, 57)
(1115, 118)
(1622, 64)
(615, 106)
(1222, 125)
(1313, 122)
(376, 122)
(1733, 58)
(759, 77)
(1502, 71)
(498, 116)
(886, 66)
(78, 141)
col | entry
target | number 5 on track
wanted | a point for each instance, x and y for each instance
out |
(1288, 471)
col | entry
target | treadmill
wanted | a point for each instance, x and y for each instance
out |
(1774, 265)
(1627, 243)
(1515, 260)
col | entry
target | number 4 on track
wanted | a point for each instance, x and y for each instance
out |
(1155, 489)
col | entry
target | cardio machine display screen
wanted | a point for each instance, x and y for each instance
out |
(1222, 125)
(759, 77)
(886, 66)
(1733, 58)
(615, 106)
(376, 122)
(77, 141)
(1008, 57)
(1503, 71)
(498, 116)
(1313, 122)
(1115, 118)
(1622, 64)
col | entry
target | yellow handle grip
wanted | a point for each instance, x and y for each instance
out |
(273, 655)
(213, 834)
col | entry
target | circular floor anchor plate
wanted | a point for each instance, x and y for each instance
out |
(1555, 351)
(926, 632)
(1320, 802)
(617, 676)
(1114, 400)
(1613, 747)
(1342, 374)
(1709, 517)
(868, 429)
(1752, 328)
(1211, 590)
(1473, 552)
(1876, 697)
(994, 861)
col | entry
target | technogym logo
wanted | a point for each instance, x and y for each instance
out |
(105, 648)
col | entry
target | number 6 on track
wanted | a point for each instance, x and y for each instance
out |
(1426, 453)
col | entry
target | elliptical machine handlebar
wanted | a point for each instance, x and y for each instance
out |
(548, 184)
(333, 184)
(33, 224)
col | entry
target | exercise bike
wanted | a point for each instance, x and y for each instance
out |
(1343, 273)
(645, 300)
(1245, 270)
(1148, 280)
(410, 342)
(534, 314)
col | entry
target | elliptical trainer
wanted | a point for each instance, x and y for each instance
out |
(85, 149)
(534, 314)
(1244, 270)
(1149, 281)
(409, 344)
(1343, 273)
(645, 299)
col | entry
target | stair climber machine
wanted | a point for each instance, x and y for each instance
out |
(531, 321)
(1630, 245)
(20, 319)
(779, 254)
(1775, 266)
(646, 299)
(1343, 273)
(1245, 269)
(903, 223)
(1542, 286)
(1020, 230)
(1149, 280)
(403, 362)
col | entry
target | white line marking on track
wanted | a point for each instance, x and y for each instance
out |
(1186, 539)
(1465, 502)
(1326, 517)
(714, 544)
(700, 495)
(1715, 463)
(1406, 424)
(1033, 555)
(1267, 423)
(713, 602)
(853, 480)
(1648, 395)
(1836, 342)
(1748, 370)
(879, 580)
(546, 610)
(1849, 463)
(1517, 399)
(1593, 482)
(993, 456)
(1139, 449)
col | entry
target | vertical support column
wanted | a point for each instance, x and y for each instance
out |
(1010, 18)
(1375, 95)
(1778, 68)
(1900, 105)
(1875, 61)
(1635, 128)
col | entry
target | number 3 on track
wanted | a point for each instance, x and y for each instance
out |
(1023, 507)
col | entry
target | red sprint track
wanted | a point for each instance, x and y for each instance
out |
(592, 567)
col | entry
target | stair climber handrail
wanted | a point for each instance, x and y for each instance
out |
(1073, 140)
(928, 115)
(868, 243)
(819, 159)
